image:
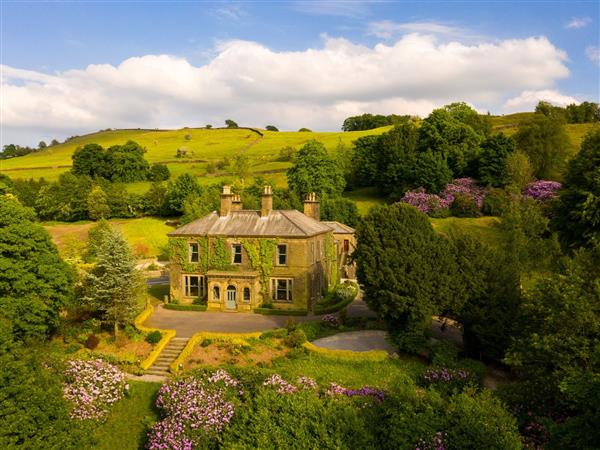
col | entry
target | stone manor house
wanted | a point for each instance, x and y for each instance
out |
(237, 260)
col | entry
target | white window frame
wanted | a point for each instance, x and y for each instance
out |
(191, 252)
(233, 254)
(187, 285)
(289, 290)
(278, 263)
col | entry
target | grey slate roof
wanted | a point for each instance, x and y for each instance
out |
(339, 228)
(279, 223)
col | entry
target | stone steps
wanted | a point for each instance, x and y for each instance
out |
(169, 354)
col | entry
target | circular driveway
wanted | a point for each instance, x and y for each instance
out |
(358, 341)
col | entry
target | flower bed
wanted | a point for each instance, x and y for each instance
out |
(434, 204)
(92, 386)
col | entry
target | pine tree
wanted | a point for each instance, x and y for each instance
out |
(114, 286)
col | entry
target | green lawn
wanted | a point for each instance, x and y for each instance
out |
(365, 199)
(129, 419)
(485, 228)
(146, 235)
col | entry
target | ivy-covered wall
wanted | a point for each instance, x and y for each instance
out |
(331, 261)
(214, 256)
(261, 255)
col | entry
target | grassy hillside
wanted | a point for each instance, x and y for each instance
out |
(202, 145)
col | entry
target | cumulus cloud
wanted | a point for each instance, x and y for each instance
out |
(255, 85)
(578, 22)
(527, 100)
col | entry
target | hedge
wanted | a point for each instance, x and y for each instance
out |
(280, 312)
(335, 307)
(177, 307)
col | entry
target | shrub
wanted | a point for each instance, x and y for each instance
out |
(92, 342)
(495, 203)
(205, 342)
(304, 129)
(443, 354)
(159, 172)
(295, 339)
(279, 334)
(331, 321)
(92, 386)
(542, 190)
(464, 206)
(154, 337)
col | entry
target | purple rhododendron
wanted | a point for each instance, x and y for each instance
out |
(542, 190)
(92, 386)
(428, 203)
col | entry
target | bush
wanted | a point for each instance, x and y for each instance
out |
(280, 333)
(345, 292)
(495, 203)
(270, 311)
(443, 354)
(304, 130)
(205, 342)
(295, 339)
(154, 337)
(159, 172)
(92, 342)
(464, 206)
(178, 307)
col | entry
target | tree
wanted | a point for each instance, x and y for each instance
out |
(178, 191)
(430, 171)
(491, 164)
(114, 287)
(544, 140)
(519, 171)
(27, 190)
(65, 199)
(558, 347)
(407, 270)
(154, 200)
(35, 284)
(159, 172)
(96, 236)
(577, 217)
(34, 412)
(315, 171)
(42, 145)
(54, 142)
(396, 159)
(97, 205)
(305, 130)
(231, 124)
(199, 204)
(449, 131)
(90, 160)
(126, 163)
(241, 166)
(271, 128)
(340, 210)
(365, 161)
(492, 296)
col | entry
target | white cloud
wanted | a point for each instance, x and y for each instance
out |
(254, 85)
(527, 100)
(386, 29)
(593, 53)
(578, 22)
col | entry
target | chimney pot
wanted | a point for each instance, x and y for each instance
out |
(312, 206)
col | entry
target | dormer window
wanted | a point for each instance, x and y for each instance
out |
(236, 253)
(282, 254)
(193, 251)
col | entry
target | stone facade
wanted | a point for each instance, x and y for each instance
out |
(237, 260)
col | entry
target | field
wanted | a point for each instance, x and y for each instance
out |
(202, 145)
(147, 236)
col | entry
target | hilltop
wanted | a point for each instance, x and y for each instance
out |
(203, 146)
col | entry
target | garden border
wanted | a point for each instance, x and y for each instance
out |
(280, 312)
(198, 337)
(167, 335)
(178, 307)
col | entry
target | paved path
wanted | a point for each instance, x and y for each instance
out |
(358, 341)
(186, 323)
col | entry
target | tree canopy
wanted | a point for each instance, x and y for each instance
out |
(315, 171)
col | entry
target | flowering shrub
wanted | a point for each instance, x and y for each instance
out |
(435, 443)
(447, 380)
(306, 383)
(282, 386)
(434, 203)
(92, 386)
(542, 190)
(331, 320)
(195, 409)
(365, 391)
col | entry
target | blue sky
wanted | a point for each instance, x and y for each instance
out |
(64, 59)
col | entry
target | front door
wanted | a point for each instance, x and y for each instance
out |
(231, 294)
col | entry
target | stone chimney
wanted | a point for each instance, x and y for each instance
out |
(236, 203)
(226, 198)
(267, 201)
(312, 206)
